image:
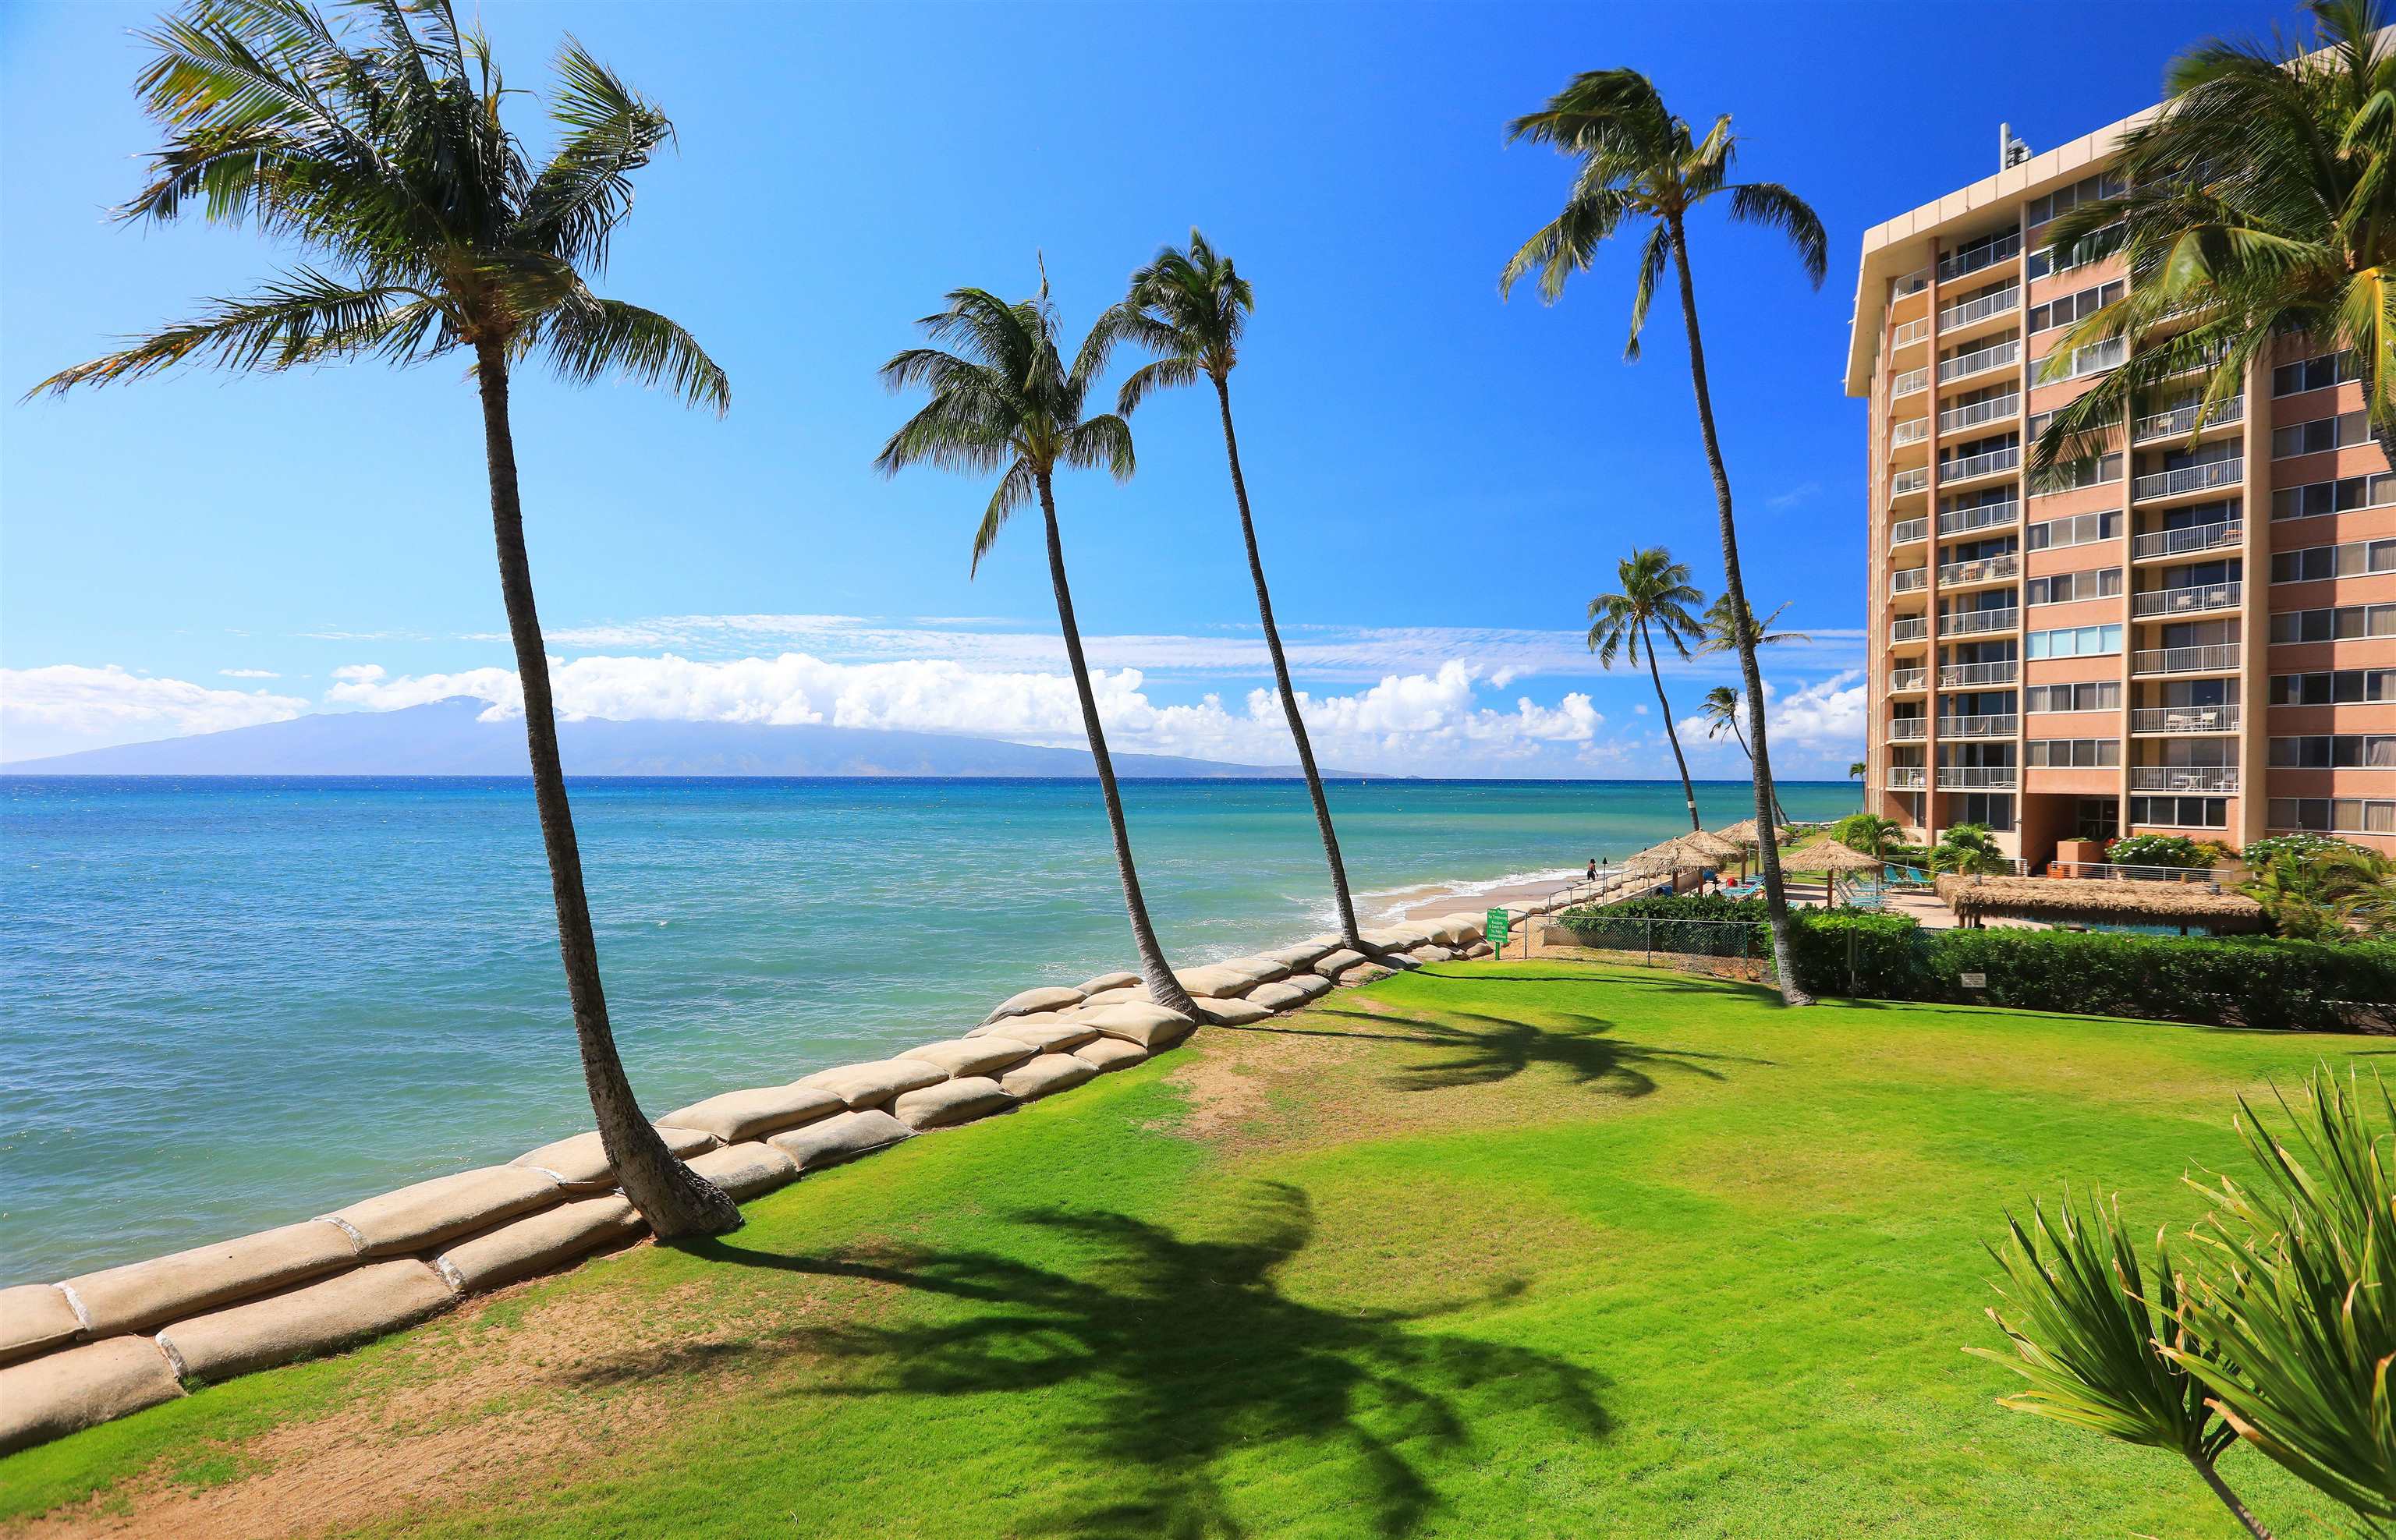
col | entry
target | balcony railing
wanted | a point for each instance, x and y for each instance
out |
(1910, 382)
(2184, 719)
(1977, 726)
(2188, 599)
(2183, 777)
(2094, 358)
(1908, 631)
(1985, 516)
(2002, 408)
(1980, 309)
(2191, 478)
(1971, 259)
(1907, 579)
(2180, 421)
(1963, 676)
(1906, 681)
(1906, 531)
(1911, 430)
(2111, 872)
(1987, 569)
(2193, 539)
(1908, 482)
(1979, 360)
(1979, 621)
(1905, 778)
(1905, 727)
(1976, 778)
(1912, 332)
(2220, 657)
(1988, 464)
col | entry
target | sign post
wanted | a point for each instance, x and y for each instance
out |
(1496, 923)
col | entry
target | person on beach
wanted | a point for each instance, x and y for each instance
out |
(1592, 869)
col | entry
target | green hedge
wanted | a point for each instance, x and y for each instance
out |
(1688, 922)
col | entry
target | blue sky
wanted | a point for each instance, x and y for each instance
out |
(1441, 481)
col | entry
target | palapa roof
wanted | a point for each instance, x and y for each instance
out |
(1828, 856)
(2090, 900)
(1714, 847)
(1742, 832)
(1667, 857)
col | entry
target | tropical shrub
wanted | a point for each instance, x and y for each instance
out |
(1704, 924)
(2263, 852)
(1969, 849)
(2155, 850)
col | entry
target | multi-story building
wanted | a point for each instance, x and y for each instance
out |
(2197, 637)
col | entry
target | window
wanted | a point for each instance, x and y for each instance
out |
(2068, 587)
(2332, 497)
(2081, 530)
(2076, 753)
(2321, 434)
(2180, 812)
(2075, 307)
(1992, 810)
(2081, 641)
(2342, 624)
(2097, 695)
(2094, 358)
(2314, 374)
(2096, 818)
(2352, 560)
(2063, 200)
(2073, 474)
(2046, 259)
(2333, 815)
(2334, 752)
(2339, 687)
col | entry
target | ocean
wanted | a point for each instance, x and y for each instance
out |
(227, 1003)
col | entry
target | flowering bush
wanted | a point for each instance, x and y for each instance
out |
(2156, 850)
(2302, 846)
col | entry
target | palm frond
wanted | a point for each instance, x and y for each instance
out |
(303, 318)
(607, 337)
(586, 189)
(1775, 208)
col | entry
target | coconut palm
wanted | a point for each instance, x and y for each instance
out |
(2260, 208)
(1719, 710)
(1005, 401)
(1720, 637)
(1640, 164)
(1656, 596)
(1190, 308)
(1856, 771)
(386, 161)
(1969, 850)
(1870, 834)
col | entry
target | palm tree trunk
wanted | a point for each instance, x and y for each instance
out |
(1163, 988)
(675, 1201)
(1778, 812)
(1345, 905)
(1776, 896)
(2229, 1498)
(1689, 792)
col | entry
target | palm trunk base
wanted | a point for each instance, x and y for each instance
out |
(677, 1201)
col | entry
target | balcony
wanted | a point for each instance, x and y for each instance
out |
(2095, 358)
(1977, 726)
(1988, 569)
(1905, 728)
(2190, 540)
(2219, 658)
(2191, 599)
(1976, 778)
(1906, 681)
(1911, 382)
(1906, 531)
(2003, 408)
(1980, 622)
(1914, 630)
(1979, 361)
(1982, 254)
(1905, 777)
(1912, 332)
(1979, 308)
(1962, 520)
(1908, 581)
(1911, 283)
(1912, 431)
(1907, 483)
(2180, 422)
(2189, 478)
(1971, 467)
(2184, 719)
(2184, 777)
(1972, 676)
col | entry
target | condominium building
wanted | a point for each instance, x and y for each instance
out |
(2197, 636)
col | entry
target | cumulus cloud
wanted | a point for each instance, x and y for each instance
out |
(1826, 715)
(69, 706)
(249, 674)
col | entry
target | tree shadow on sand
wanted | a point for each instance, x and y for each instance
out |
(1482, 1050)
(1186, 1351)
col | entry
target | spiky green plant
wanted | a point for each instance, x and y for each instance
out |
(1656, 595)
(1969, 850)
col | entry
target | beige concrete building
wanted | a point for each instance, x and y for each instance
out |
(2199, 639)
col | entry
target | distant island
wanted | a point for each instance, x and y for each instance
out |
(448, 737)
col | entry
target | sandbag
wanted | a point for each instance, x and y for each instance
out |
(1111, 1054)
(1060, 1036)
(35, 1318)
(1282, 996)
(737, 1116)
(1108, 981)
(1008, 1026)
(1363, 973)
(142, 1294)
(58, 1393)
(983, 1055)
(1150, 1026)
(1122, 994)
(545, 1241)
(843, 1137)
(1260, 968)
(952, 1102)
(1045, 1075)
(874, 1084)
(580, 1163)
(1433, 953)
(1215, 982)
(1050, 998)
(316, 1318)
(429, 1213)
(1332, 964)
(1233, 1013)
(1304, 954)
(744, 1170)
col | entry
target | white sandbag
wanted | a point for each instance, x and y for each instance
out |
(539, 1244)
(739, 1115)
(60, 1393)
(1049, 998)
(316, 1318)
(843, 1137)
(143, 1295)
(1046, 1075)
(982, 1056)
(952, 1102)
(878, 1082)
(429, 1213)
(580, 1163)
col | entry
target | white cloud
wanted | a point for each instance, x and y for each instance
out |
(249, 674)
(1825, 716)
(66, 706)
(1803, 493)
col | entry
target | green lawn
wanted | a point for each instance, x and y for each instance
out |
(1501, 1249)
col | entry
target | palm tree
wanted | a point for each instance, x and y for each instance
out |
(1856, 771)
(2260, 208)
(388, 162)
(1722, 637)
(1657, 596)
(1968, 850)
(1638, 162)
(1720, 712)
(1189, 309)
(1870, 833)
(1005, 401)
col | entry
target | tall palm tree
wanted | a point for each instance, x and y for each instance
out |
(1640, 163)
(388, 162)
(1005, 401)
(1856, 771)
(1719, 710)
(1189, 309)
(1721, 635)
(1657, 596)
(2260, 208)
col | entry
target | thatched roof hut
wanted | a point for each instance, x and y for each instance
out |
(1714, 847)
(1827, 855)
(1742, 832)
(1670, 856)
(2090, 901)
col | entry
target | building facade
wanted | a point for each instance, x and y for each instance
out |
(2197, 637)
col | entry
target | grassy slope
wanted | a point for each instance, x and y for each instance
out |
(1499, 1249)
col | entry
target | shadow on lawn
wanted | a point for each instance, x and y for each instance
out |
(1486, 1049)
(1191, 1353)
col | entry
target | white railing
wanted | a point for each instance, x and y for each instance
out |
(1904, 681)
(2115, 873)
(1971, 259)
(1985, 516)
(1987, 569)
(1912, 283)
(2206, 361)
(1909, 579)
(1976, 622)
(1976, 778)
(2219, 657)
(2180, 421)
(1906, 531)
(1905, 727)
(1995, 409)
(1908, 631)
(2184, 719)
(2194, 537)
(1979, 361)
(2191, 478)
(1910, 382)
(1906, 482)
(1911, 430)
(2093, 359)
(1987, 464)
(1977, 726)
(2188, 599)
(1905, 778)
(1962, 676)
(1980, 309)
(1912, 332)
(2183, 777)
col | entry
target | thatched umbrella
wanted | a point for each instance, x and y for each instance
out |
(1714, 847)
(1742, 832)
(1829, 858)
(1665, 860)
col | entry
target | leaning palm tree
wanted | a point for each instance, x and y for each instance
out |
(1719, 710)
(387, 161)
(1005, 401)
(1656, 596)
(1721, 635)
(1638, 162)
(1189, 309)
(2260, 208)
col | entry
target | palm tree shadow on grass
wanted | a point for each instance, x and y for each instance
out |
(1190, 1352)
(1483, 1050)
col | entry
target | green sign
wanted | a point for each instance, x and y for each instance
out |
(1499, 918)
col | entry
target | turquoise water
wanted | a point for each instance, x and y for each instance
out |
(231, 1004)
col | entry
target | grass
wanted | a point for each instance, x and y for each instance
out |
(1501, 1249)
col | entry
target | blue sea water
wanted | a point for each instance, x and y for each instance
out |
(229, 1002)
